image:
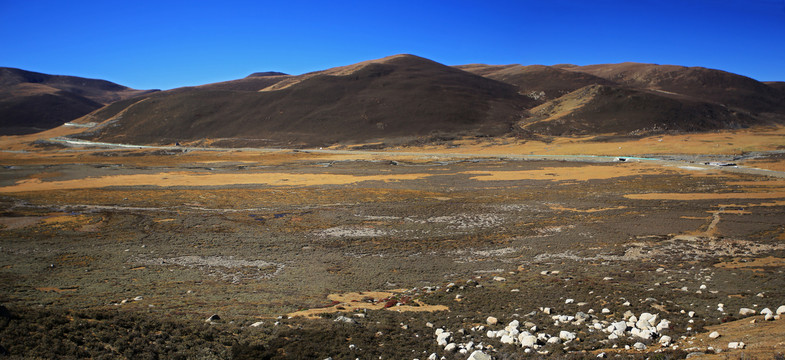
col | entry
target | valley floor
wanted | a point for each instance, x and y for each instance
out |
(117, 252)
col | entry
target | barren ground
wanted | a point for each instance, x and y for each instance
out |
(97, 241)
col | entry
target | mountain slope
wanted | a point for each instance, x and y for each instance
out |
(711, 85)
(398, 96)
(603, 109)
(32, 102)
(539, 82)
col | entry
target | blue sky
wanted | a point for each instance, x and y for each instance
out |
(165, 44)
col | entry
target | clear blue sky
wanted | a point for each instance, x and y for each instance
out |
(165, 44)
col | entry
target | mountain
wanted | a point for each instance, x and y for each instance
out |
(539, 82)
(608, 109)
(401, 96)
(32, 102)
(405, 98)
(638, 99)
(717, 86)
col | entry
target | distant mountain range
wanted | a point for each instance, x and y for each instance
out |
(402, 98)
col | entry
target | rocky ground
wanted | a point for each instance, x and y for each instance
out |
(295, 255)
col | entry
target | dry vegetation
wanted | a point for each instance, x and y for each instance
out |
(97, 263)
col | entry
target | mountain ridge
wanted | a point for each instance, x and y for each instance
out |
(405, 97)
(31, 102)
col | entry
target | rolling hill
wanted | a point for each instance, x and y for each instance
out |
(728, 89)
(540, 82)
(605, 109)
(32, 102)
(405, 98)
(401, 96)
(638, 99)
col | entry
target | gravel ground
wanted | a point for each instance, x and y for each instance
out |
(255, 252)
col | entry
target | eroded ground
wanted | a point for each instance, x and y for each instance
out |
(98, 241)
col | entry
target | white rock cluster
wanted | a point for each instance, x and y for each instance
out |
(647, 327)
(445, 339)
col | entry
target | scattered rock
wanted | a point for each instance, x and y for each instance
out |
(746, 312)
(213, 317)
(444, 338)
(479, 355)
(491, 320)
(780, 310)
(527, 340)
(450, 347)
(345, 319)
(499, 278)
(257, 324)
(769, 317)
(736, 345)
(665, 340)
(566, 335)
(639, 346)
(766, 311)
(714, 335)
(663, 324)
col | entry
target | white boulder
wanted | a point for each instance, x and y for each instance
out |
(444, 338)
(527, 340)
(665, 340)
(507, 339)
(746, 312)
(736, 345)
(479, 355)
(566, 335)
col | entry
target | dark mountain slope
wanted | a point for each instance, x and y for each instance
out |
(30, 108)
(539, 82)
(32, 102)
(602, 109)
(398, 96)
(711, 85)
(100, 91)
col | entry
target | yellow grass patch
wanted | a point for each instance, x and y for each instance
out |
(729, 142)
(562, 208)
(203, 179)
(707, 196)
(762, 338)
(578, 173)
(371, 300)
(752, 264)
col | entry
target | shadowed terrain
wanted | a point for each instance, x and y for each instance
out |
(31, 102)
(399, 96)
